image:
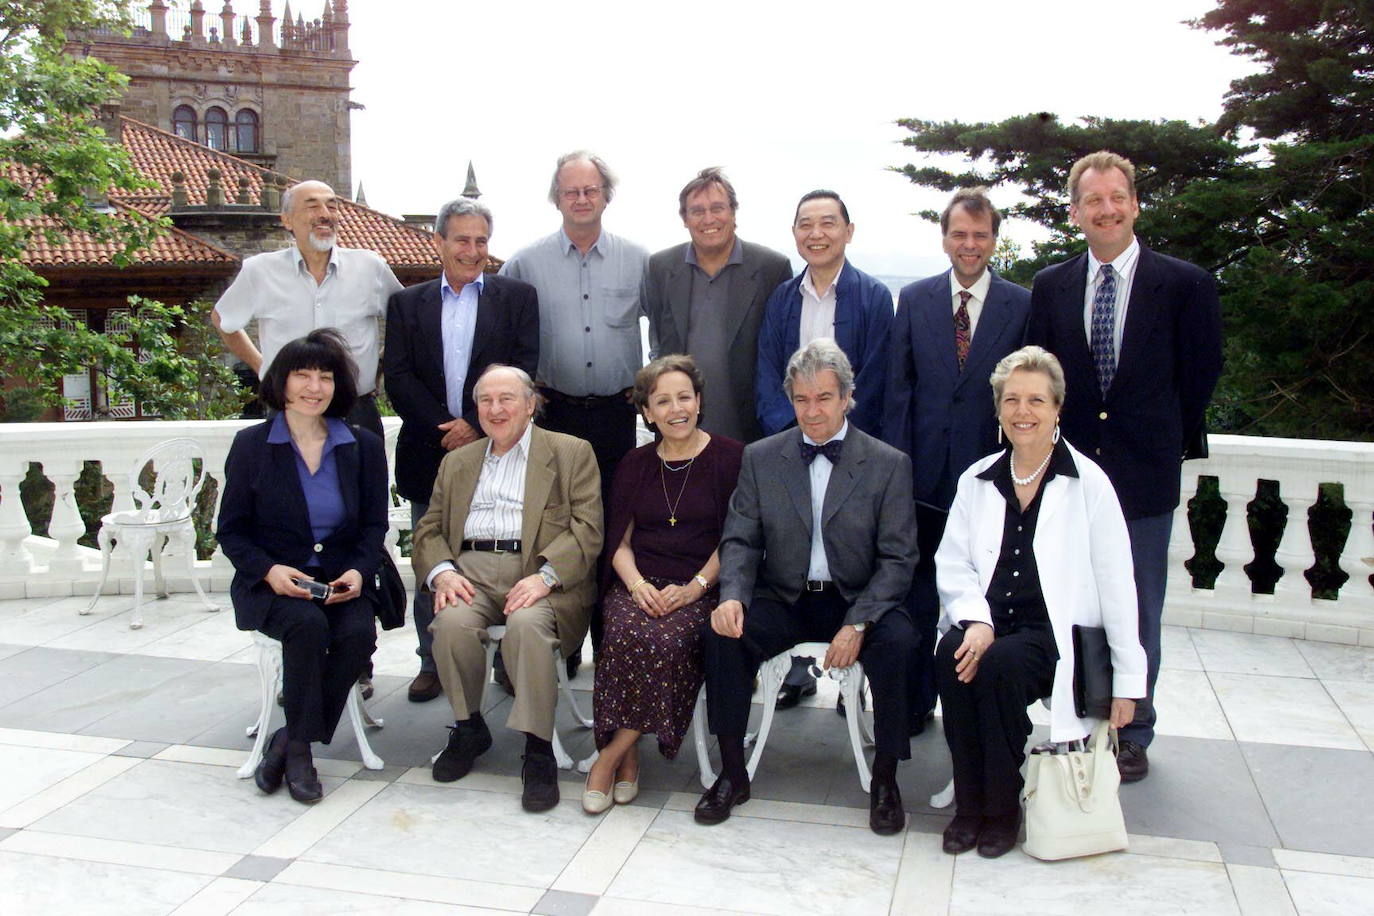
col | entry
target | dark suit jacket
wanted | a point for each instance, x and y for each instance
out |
(667, 297)
(863, 319)
(1169, 363)
(264, 520)
(507, 331)
(943, 418)
(868, 525)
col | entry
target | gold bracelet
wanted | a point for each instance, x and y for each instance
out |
(635, 587)
(701, 580)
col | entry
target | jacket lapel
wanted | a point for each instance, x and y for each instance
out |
(993, 325)
(844, 477)
(346, 459)
(484, 326)
(1141, 312)
(431, 325)
(680, 298)
(460, 486)
(939, 319)
(796, 477)
(284, 470)
(1072, 292)
(539, 478)
(743, 287)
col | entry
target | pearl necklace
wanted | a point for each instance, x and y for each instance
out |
(1025, 481)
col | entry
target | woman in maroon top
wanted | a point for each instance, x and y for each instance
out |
(667, 508)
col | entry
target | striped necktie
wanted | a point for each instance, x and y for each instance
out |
(1104, 326)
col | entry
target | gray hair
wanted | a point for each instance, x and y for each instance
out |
(462, 206)
(816, 357)
(288, 197)
(1028, 359)
(608, 179)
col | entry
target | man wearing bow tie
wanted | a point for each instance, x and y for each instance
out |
(819, 545)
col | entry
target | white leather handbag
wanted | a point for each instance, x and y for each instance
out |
(1073, 807)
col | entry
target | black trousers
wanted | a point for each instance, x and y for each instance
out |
(925, 612)
(323, 649)
(985, 721)
(771, 627)
(608, 424)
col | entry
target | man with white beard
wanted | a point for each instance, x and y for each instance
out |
(312, 284)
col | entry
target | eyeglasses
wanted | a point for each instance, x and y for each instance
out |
(591, 192)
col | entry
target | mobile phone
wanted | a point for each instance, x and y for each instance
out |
(318, 590)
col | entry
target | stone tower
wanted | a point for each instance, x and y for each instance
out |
(274, 94)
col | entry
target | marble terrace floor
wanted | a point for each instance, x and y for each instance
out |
(118, 795)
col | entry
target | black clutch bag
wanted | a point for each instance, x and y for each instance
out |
(391, 593)
(1092, 673)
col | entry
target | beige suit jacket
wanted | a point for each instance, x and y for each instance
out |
(562, 521)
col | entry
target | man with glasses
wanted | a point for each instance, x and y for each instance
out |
(589, 344)
(706, 297)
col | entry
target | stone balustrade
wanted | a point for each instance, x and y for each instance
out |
(33, 566)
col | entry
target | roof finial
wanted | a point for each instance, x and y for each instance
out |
(360, 198)
(471, 189)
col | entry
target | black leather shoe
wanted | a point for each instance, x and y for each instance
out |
(790, 695)
(1132, 762)
(998, 836)
(272, 767)
(962, 834)
(424, 688)
(573, 663)
(715, 805)
(885, 814)
(839, 705)
(302, 781)
(467, 740)
(540, 775)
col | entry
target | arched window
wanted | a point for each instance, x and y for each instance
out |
(246, 130)
(216, 128)
(184, 122)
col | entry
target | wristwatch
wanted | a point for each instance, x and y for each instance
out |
(549, 579)
(860, 627)
(701, 580)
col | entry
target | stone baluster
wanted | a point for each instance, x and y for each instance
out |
(1294, 552)
(1235, 549)
(1357, 558)
(1181, 545)
(15, 560)
(66, 524)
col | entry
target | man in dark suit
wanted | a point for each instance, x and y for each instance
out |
(440, 335)
(951, 331)
(706, 298)
(819, 544)
(1139, 336)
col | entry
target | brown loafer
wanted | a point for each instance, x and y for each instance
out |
(425, 687)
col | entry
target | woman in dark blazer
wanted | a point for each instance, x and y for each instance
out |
(305, 505)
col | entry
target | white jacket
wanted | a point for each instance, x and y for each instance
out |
(1083, 554)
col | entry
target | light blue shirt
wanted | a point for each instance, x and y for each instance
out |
(458, 322)
(820, 479)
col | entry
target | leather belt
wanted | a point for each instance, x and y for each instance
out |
(587, 402)
(818, 585)
(493, 546)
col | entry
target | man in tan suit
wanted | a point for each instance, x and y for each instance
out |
(511, 538)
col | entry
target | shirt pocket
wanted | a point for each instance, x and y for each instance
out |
(621, 305)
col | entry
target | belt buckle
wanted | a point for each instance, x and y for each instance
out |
(815, 585)
(496, 546)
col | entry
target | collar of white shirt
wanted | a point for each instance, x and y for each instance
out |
(523, 445)
(839, 435)
(446, 287)
(1123, 264)
(829, 293)
(979, 289)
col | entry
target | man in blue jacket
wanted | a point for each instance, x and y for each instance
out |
(950, 332)
(831, 298)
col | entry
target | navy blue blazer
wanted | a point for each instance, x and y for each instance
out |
(863, 319)
(942, 417)
(1169, 364)
(506, 331)
(263, 518)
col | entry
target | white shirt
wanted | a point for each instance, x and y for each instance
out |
(820, 479)
(1124, 267)
(818, 310)
(278, 290)
(457, 323)
(978, 294)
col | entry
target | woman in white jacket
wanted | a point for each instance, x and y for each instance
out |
(1035, 543)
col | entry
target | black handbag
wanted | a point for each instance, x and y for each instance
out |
(1092, 673)
(391, 593)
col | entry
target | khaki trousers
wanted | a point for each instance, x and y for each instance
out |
(460, 637)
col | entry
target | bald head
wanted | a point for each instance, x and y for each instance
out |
(310, 212)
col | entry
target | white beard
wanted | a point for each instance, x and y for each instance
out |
(326, 244)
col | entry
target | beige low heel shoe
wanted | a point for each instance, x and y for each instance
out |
(625, 792)
(594, 801)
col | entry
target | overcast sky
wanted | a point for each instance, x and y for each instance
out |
(786, 96)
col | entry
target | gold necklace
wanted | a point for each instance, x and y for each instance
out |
(663, 480)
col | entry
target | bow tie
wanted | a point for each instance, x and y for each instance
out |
(830, 450)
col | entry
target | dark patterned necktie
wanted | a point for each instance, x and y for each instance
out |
(830, 450)
(963, 339)
(1104, 326)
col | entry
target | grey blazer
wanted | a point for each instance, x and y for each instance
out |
(868, 525)
(667, 296)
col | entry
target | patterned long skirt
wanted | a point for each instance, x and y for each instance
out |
(650, 669)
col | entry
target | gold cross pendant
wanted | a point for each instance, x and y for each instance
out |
(672, 521)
